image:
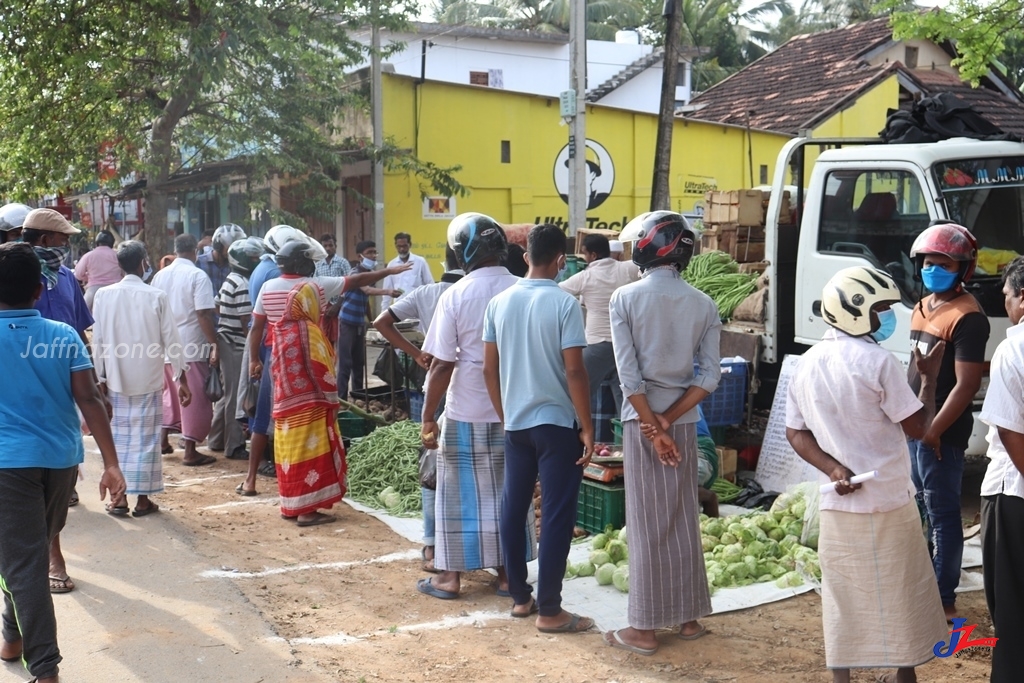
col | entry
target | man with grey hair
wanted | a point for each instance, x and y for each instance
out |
(190, 299)
(134, 332)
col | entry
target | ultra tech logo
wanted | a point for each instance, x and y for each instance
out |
(960, 640)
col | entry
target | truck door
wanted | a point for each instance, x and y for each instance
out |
(864, 215)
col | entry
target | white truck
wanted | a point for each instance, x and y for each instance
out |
(863, 203)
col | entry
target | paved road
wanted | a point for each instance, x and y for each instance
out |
(140, 612)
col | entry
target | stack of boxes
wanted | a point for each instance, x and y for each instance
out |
(734, 223)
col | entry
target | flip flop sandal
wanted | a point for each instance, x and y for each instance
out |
(502, 593)
(166, 450)
(267, 469)
(59, 585)
(238, 454)
(73, 501)
(142, 512)
(613, 639)
(242, 491)
(204, 460)
(427, 588)
(316, 521)
(118, 510)
(534, 608)
(572, 626)
(290, 518)
(694, 636)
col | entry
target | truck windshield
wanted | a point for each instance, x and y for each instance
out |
(987, 197)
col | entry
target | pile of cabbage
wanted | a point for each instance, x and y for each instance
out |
(608, 561)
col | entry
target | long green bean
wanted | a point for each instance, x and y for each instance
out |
(388, 457)
(718, 276)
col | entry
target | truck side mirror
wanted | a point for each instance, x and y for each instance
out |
(816, 308)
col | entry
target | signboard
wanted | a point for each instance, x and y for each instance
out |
(778, 466)
(439, 208)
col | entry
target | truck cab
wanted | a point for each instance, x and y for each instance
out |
(864, 205)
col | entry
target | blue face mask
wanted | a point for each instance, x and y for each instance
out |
(887, 326)
(938, 279)
(369, 264)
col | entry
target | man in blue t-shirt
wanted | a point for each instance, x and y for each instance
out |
(533, 367)
(40, 450)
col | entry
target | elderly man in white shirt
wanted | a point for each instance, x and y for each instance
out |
(411, 279)
(134, 331)
(1002, 491)
(190, 297)
(594, 287)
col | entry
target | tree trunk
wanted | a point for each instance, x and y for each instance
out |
(660, 199)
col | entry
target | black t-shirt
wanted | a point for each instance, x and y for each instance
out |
(965, 328)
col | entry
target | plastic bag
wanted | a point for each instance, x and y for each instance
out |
(251, 398)
(802, 498)
(214, 387)
(428, 468)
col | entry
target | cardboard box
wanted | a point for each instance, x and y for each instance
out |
(726, 462)
(748, 251)
(750, 209)
(720, 238)
(581, 234)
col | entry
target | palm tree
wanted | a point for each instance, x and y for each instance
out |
(604, 17)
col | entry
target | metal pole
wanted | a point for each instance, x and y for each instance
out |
(378, 129)
(578, 191)
(660, 199)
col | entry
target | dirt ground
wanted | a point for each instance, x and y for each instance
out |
(403, 636)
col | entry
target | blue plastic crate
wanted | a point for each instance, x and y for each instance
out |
(727, 404)
(416, 405)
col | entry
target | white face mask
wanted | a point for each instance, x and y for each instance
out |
(369, 264)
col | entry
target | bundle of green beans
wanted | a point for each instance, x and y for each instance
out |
(726, 490)
(387, 462)
(718, 276)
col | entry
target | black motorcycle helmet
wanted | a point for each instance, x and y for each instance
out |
(476, 238)
(296, 258)
(660, 238)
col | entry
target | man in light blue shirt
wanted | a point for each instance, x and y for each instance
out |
(536, 380)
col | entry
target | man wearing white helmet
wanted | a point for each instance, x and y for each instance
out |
(848, 409)
(12, 218)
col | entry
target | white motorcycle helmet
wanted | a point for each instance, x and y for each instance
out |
(847, 299)
(280, 235)
(228, 234)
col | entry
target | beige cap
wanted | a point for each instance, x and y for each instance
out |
(48, 220)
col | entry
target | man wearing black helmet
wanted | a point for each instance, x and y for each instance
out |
(659, 326)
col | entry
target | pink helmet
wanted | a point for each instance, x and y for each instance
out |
(948, 239)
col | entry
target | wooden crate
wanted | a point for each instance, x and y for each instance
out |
(726, 462)
(748, 251)
(720, 238)
(581, 234)
(742, 207)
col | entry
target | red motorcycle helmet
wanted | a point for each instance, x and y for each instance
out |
(660, 238)
(951, 240)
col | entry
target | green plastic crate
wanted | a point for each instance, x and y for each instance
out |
(600, 505)
(617, 432)
(352, 426)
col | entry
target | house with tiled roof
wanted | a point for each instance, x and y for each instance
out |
(840, 83)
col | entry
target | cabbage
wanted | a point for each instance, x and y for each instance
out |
(777, 534)
(714, 527)
(622, 534)
(777, 570)
(616, 550)
(798, 509)
(732, 553)
(754, 549)
(604, 574)
(767, 523)
(570, 570)
(620, 577)
(795, 529)
(622, 563)
(788, 519)
(708, 543)
(599, 557)
(788, 542)
(764, 578)
(789, 580)
(738, 570)
(729, 539)
(600, 541)
(585, 569)
(751, 565)
(390, 497)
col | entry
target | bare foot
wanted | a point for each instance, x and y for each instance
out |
(636, 638)
(950, 612)
(447, 581)
(10, 652)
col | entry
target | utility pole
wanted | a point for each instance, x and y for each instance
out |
(673, 12)
(378, 127)
(578, 123)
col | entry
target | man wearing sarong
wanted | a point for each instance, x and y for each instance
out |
(660, 325)
(134, 332)
(848, 408)
(471, 459)
(190, 299)
(537, 380)
(307, 447)
(1002, 491)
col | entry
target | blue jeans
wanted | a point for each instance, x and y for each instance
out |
(938, 484)
(551, 452)
(429, 496)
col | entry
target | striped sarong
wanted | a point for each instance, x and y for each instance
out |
(310, 460)
(668, 585)
(470, 479)
(136, 430)
(880, 604)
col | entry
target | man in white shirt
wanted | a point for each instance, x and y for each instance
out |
(134, 332)
(1002, 491)
(594, 287)
(190, 298)
(410, 279)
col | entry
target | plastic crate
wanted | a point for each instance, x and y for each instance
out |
(416, 405)
(600, 505)
(727, 404)
(617, 432)
(352, 426)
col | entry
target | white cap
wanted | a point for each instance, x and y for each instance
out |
(615, 246)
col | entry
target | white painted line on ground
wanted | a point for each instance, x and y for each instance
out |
(193, 482)
(237, 503)
(229, 574)
(477, 619)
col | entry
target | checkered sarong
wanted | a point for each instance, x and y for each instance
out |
(603, 410)
(470, 478)
(136, 429)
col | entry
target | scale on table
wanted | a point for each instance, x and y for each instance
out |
(605, 470)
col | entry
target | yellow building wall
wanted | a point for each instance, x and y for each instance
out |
(455, 125)
(866, 116)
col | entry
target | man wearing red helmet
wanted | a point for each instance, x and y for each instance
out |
(946, 256)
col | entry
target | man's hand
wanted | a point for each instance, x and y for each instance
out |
(423, 360)
(665, 447)
(394, 293)
(928, 365)
(184, 395)
(650, 431)
(395, 270)
(429, 433)
(587, 439)
(214, 356)
(841, 475)
(112, 482)
(255, 369)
